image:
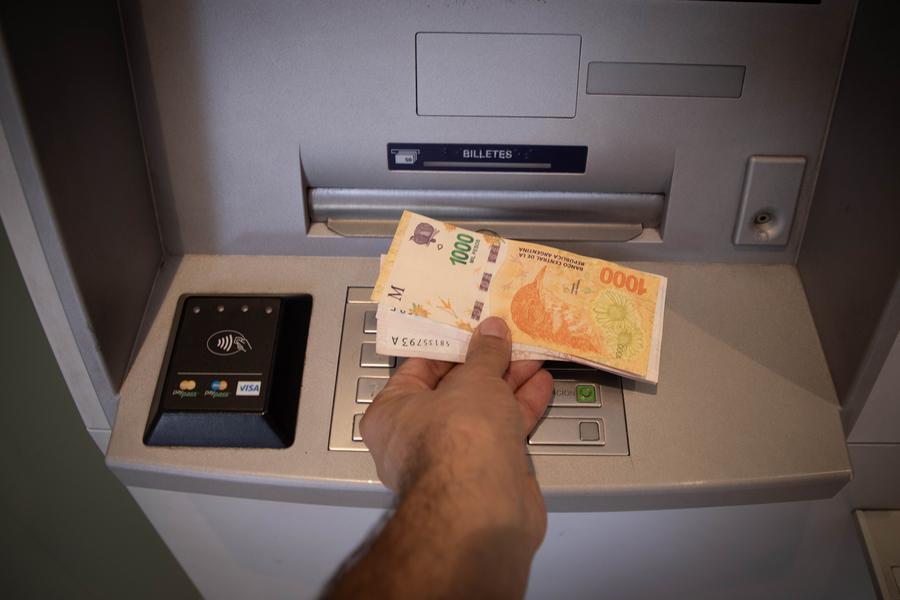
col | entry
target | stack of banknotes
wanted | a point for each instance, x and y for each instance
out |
(439, 281)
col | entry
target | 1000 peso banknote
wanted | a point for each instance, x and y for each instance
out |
(401, 334)
(555, 302)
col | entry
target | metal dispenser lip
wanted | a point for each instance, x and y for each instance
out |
(528, 215)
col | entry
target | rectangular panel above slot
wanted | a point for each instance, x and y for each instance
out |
(497, 74)
(665, 79)
(536, 216)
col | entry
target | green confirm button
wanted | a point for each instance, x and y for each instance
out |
(586, 393)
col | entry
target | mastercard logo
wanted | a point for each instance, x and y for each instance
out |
(187, 385)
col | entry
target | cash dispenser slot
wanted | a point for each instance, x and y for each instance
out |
(528, 215)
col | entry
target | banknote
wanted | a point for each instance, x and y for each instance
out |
(555, 302)
(401, 334)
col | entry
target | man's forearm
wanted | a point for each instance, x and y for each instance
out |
(448, 538)
(450, 441)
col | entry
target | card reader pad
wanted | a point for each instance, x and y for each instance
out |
(233, 372)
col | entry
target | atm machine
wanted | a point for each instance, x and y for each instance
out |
(234, 162)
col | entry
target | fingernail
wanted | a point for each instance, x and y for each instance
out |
(494, 326)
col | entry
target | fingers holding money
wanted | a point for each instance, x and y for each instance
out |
(521, 371)
(490, 348)
(533, 396)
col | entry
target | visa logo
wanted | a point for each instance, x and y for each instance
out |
(248, 388)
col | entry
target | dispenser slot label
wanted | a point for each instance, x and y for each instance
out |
(496, 158)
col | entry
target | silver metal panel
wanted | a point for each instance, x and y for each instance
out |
(740, 415)
(244, 109)
(498, 75)
(769, 200)
(665, 79)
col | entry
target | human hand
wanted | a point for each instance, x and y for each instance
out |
(463, 427)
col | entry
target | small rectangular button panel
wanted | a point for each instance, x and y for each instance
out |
(568, 431)
(370, 322)
(369, 358)
(368, 387)
(586, 414)
(572, 392)
(357, 436)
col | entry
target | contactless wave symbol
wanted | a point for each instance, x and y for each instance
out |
(228, 342)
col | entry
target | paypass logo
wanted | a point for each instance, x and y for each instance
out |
(248, 388)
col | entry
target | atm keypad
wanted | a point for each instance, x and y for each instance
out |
(586, 415)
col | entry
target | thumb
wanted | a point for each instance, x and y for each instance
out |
(490, 348)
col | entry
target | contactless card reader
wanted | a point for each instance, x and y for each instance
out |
(233, 372)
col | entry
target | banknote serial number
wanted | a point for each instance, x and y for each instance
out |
(413, 342)
(461, 249)
(620, 279)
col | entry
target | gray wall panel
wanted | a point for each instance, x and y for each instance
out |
(37, 267)
(69, 528)
(873, 486)
(850, 258)
(879, 420)
(73, 83)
